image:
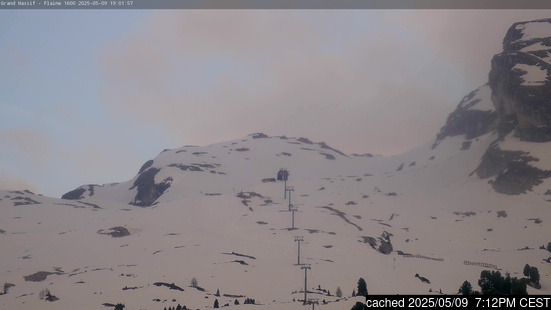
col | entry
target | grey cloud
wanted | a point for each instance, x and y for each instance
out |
(11, 183)
(208, 76)
(33, 145)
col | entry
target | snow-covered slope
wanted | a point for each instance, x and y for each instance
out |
(229, 229)
(226, 167)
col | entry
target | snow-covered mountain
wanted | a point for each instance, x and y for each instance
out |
(477, 198)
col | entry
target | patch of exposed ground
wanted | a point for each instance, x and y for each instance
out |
(381, 244)
(115, 232)
(242, 262)
(341, 215)
(41, 275)
(240, 255)
(171, 286)
(22, 201)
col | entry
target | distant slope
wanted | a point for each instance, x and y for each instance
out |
(226, 167)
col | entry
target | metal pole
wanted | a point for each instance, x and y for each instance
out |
(305, 284)
(289, 200)
(298, 254)
(293, 209)
(285, 189)
(298, 239)
(305, 267)
(289, 189)
(293, 220)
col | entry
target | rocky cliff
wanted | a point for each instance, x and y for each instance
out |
(516, 105)
(520, 83)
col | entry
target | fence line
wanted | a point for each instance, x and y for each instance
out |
(423, 256)
(481, 264)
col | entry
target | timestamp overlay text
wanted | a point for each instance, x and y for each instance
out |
(459, 301)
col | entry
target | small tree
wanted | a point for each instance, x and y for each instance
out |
(236, 302)
(534, 275)
(506, 284)
(194, 282)
(362, 287)
(119, 306)
(353, 293)
(217, 293)
(493, 283)
(526, 271)
(488, 282)
(549, 246)
(518, 287)
(338, 293)
(466, 288)
(216, 305)
(249, 301)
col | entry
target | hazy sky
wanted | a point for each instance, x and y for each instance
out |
(88, 96)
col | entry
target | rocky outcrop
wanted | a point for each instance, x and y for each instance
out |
(520, 85)
(74, 194)
(474, 116)
(510, 171)
(259, 135)
(521, 94)
(148, 190)
(324, 145)
(115, 232)
(39, 276)
(79, 192)
(146, 165)
(381, 244)
(516, 102)
(520, 80)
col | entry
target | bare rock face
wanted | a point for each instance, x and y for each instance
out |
(146, 165)
(79, 192)
(74, 194)
(520, 80)
(511, 169)
(474, 116)
(148, 190)
(516, 102)
(381, 244)
(115, 232)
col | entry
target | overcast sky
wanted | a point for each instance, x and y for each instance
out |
(88, 96)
